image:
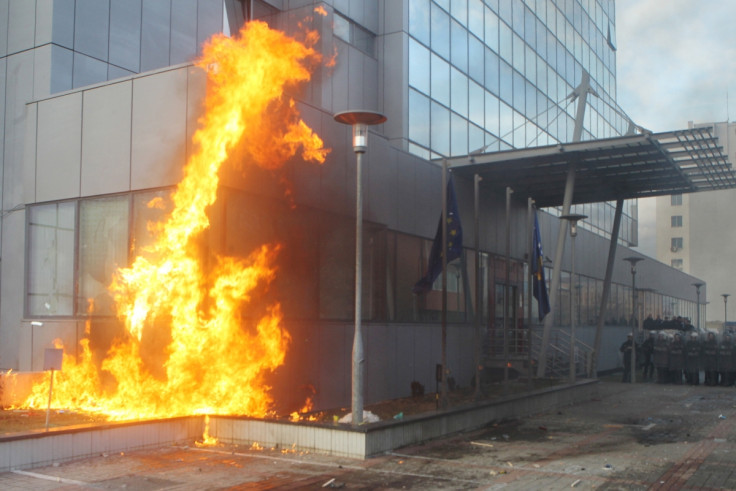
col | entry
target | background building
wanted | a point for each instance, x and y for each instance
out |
(100, 104)
(694, 233)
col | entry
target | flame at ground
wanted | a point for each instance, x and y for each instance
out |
(216, 359)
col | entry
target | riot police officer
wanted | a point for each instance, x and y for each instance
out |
(661, 358)
(710, 359)
(676, 359)
(692, 360)
(725, 361)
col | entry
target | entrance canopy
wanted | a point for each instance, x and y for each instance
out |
(638, 166)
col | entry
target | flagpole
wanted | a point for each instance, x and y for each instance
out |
(478, 310)
(530, 229)
(443, 389)
(507, 289)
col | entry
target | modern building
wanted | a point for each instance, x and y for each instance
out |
(101, 100)
(693, 233)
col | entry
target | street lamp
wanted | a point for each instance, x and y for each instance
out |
(632, 261)
(359, 120)
(573, 219)
(697, 294)
(725, 312)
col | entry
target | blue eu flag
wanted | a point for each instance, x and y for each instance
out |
(454, 246)
(539, 284)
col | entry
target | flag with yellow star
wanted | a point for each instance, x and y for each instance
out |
(539, 284)
(453, 248)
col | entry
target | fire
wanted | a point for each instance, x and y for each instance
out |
(216, 359)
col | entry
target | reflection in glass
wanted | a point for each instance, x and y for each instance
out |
(51, 259)
(103, 248)
(440, 32)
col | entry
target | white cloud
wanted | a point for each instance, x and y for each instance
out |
(676, 62)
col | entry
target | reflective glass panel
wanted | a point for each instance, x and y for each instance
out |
(183, 31)
(476, 66)
(419, 66)
(459, 46)
(459, 127)
(440, 130)
(475, 17)
(125, 34)
(51, 259)
(419, 118)
(476, 103)
(440, 32)
(419, 20)
(91, 28)
(88, 71)
(491, 30)
(459, 92)
(103, 248)
(440, 80)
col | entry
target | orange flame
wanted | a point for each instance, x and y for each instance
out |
(216, 359)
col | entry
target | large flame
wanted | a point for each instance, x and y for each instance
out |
(216, 359)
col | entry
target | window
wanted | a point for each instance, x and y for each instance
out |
(676, 244)
(676, 200)
(51, 230)
(676, 263)
(103, 247)
(676, 220)
(353, 34)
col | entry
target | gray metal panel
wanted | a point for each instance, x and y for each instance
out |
(395, 74)
(125, 34)
(62, 31)
(159, 129)
(42, 72)
(340, 78)
(183, 31)
(88, 71)
(395, 16)
(380, 372)
(18, 91)
(12, 281)
(307, 174)
(29, 162)
(155, 34)
(370, 85)
(406, 182)
(106, 139)
(58, 146)
(380, 185)
(355, 79)
(91, 28)
(62, 63)
(21, 25)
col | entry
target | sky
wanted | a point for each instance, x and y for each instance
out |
(675, 62)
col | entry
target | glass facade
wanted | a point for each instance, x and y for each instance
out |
(98, 40)
(496, 74)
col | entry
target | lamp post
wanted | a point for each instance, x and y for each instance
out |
(697, 296)
(573, 219)
(632, 261)
(359, 120)
(725, 310)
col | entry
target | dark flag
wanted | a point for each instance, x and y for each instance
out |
(454, 242)
(538, 282)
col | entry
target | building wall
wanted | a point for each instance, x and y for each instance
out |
(708, 229)
(116, 141)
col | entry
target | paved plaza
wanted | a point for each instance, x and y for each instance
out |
(642, 436)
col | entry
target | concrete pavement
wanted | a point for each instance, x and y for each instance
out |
(641, 436)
